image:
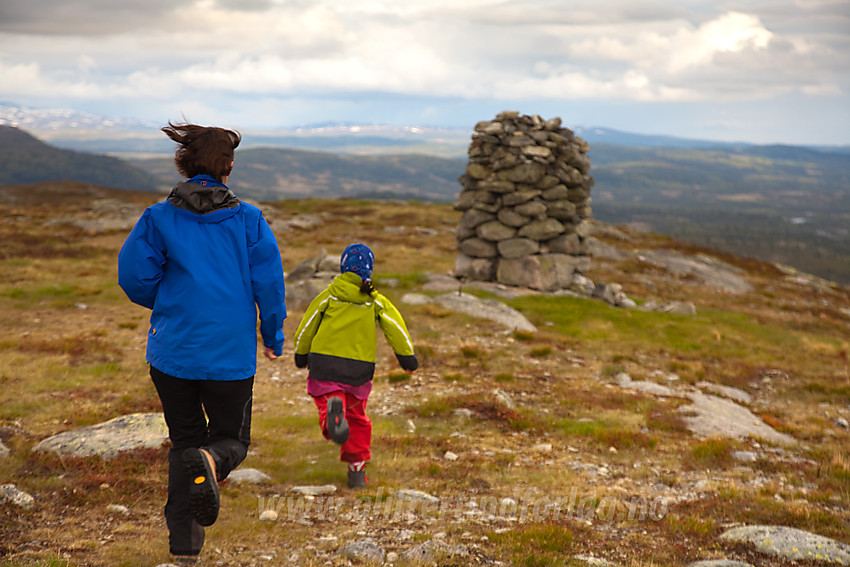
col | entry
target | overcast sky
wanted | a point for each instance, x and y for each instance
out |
(764, 71)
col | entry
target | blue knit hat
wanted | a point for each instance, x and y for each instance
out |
(359, 259)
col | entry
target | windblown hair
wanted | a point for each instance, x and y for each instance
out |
(203, 150)
(367, 287)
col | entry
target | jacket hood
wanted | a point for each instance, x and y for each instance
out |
(347, 288)
(201, 196)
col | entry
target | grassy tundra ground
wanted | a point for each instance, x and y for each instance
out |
(633, 485)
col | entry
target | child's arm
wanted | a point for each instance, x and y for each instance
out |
(392, 324)
(307, 328)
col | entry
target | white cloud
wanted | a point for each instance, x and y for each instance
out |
(686, 46)
(206, 52)
(732, 33)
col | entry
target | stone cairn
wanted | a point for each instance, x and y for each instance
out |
(526, 201)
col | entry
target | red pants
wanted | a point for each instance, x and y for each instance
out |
(357, 448)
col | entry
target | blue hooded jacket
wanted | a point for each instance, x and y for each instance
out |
(203, 262)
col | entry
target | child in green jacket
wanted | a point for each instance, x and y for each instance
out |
(337, 341)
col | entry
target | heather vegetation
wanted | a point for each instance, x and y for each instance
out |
(648, 491)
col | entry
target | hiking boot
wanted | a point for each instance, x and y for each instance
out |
(203, 489)
(337, 425)
(357, 479)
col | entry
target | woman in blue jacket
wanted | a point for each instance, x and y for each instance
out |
(203, 262)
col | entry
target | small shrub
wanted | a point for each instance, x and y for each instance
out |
(666, 420)
(523, 335)
(537, 545)
(622, 438)
(713, 453)
(579, 427)
(396, 377)
(456, 377)
(423, 352)
(612, 370)
(691, 526)
(434, 407)
(470, 351)
(432, 469)
(540, 352)
(504, 378)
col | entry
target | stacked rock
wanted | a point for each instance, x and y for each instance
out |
(526, 201)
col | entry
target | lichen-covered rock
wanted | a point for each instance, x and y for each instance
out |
(480, 269)
(532, 209)
(249, 476)
(518, 197)
(365, 549)
(790, 543)
(13, 494)
(510, 217)
(567, 244)
(517, 247)
(108, 439)
(713, 416)
(494, 231)
(478, 248)
(314, 490)
(491, 309)
(719, 563)
(407, 494)
(433, 550)
(527, 173)
(542, 230)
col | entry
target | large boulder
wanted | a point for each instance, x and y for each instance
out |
(109, 439)
(791, 544)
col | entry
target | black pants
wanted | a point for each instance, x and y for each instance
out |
(226, 437)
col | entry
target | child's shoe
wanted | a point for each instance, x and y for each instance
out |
(357, 474)
(337, 425)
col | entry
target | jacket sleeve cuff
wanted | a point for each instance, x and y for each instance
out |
(408, 362)
(301, 360)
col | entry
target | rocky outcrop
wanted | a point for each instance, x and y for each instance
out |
(705, 269)
(108, 439)
(474, 306)
(248, 476)
(309, 278)
(432, 550)
(13, 494)
(790, 543)
(525, 197)
(709, 416)
(365, 549)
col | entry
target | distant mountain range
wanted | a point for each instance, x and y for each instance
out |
(785, 204)
(83, 131)
(52, 119)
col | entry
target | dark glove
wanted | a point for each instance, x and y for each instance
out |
(408, 362)
(301, 360)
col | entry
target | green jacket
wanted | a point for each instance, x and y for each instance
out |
(338, 335)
